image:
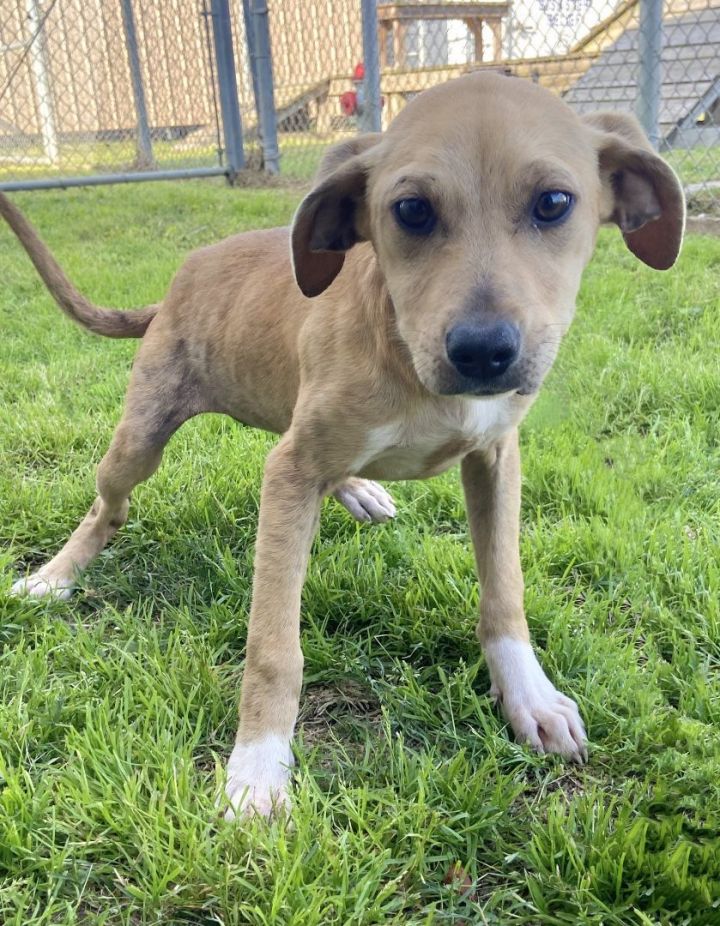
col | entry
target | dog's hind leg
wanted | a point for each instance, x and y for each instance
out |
(128, 461)
(366, 500)
(160, 398)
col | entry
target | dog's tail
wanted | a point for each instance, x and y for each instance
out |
(112, 323)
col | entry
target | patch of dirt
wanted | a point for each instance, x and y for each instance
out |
(324, 707)
(569, 783)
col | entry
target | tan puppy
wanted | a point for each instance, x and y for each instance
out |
(434, 272)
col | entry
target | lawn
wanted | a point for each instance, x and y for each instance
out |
(118, 708)
(300, 156)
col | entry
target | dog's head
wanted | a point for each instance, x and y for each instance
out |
(482, 202)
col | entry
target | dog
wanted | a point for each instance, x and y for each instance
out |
(402, 325)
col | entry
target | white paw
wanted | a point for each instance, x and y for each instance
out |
(366, 500)
(257, 778)
(38, 586)
(537, 712)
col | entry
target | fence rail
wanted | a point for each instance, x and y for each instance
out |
(96, 91)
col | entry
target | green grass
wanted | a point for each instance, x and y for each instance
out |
(118, 708)
(695, 165)
(300, 156)
(78, 158)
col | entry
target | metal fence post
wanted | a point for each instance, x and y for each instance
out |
(227, 86)
(39, 65)
(252, 53)
(144, 158)
(265, 87)
(371, 119)
(650, 78)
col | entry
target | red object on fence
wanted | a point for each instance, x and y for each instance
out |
(348, 102)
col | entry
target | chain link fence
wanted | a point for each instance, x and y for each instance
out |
(96, 90)
(88, 88)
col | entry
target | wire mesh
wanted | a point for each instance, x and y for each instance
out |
(71, 101)
(591, 52)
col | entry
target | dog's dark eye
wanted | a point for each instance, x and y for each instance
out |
(552, 207)
(415, 215)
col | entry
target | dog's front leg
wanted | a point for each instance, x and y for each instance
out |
(536, 711)
(258, 769)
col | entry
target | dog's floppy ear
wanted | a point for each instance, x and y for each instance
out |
(331, 219)
(641, 193)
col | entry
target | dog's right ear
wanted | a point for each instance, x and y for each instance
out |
(332, 217)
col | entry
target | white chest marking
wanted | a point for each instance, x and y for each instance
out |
(402, 447)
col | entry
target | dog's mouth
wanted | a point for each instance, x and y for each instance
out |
(523, 378)
(455, 384)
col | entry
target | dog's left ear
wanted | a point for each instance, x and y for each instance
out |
(331, 218)
(641, 193)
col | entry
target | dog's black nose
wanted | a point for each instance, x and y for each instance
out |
(483, 352)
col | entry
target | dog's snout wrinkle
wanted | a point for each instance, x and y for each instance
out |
(483, 352)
